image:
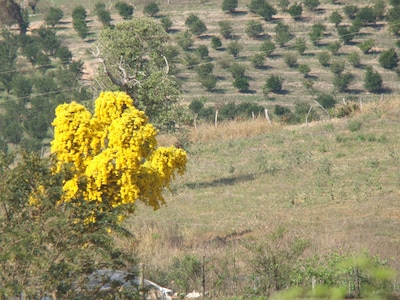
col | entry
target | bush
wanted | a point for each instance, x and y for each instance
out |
(196, 106)
(254, 28)
(64, 54)
(257, 60)
(53, 16)
(79, 12)
(311, 4)
(327, 101)
(104, 17)
(81, 28)
(304, 69)
(185, 40)
(267, 47)
(389, 59)
(300, 45)
(354, 59)
(209, 82)
(372, 81)
(204, 70)
(225, 29)
(282, 34)
(229, 5)
(273, 84)
(216, 42)
(234, 48)
(295, 11)
(342, 81)
(125, 10)
(237, 70)
(202, 51)
(317, 33)
(196, 26)
(350, 11)
(290, 60)
(337, 67)
(190, 60)
(166, 23)
(151, 9)
(366, 15)
(345, 34)
(324, 58)
(262, 8)
(335, 18)
(366, 46)
(334, 47)
(241, 83)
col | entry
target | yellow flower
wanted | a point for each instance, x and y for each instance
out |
(112, 154)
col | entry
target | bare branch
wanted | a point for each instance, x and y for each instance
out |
(167, 68)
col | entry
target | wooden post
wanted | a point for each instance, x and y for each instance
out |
(361, 104)
(309, 111)
(267, 116)
(357, 289)
(313, 283)
(216, 118)
(252, 115)
(203, 278)
(141, 281)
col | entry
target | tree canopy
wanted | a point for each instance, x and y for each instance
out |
(140, 61)
(112, 155)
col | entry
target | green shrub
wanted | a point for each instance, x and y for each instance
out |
(234, 48)
(354, 59)
(354, 125)
(300, 45)
(225, 29)
(267, 47)
(229, 5)
(324, 58)
(372, 81)
(202, 51)
(53, 16)
(273, 84)
(209, 82)
(350, 11)
(388, 59)
(337, 67)
(254, 28)
(334, 47)
(326, 100)
(335, 18)
(125, 10)
(366, 46)
(295, 11)
(257, 60)
(216, 42)
(166, 23)
(237, 70)
(290, 60)
(241, 83)
(304, 69)
(311, 4)
(151, 9)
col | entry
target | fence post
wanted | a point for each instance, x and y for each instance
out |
(216, 118)
(141, 281)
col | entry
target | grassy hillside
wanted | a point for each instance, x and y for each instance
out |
(334, 184)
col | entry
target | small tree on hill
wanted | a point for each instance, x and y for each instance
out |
(229, 5)
(372, 81)
(196, 26)
(166, 23)
(273, 84)
(367, 45)
(311, 4)
(389, 59)
(335, 18)
(295, 11)
(324, 58)
(254, 28)
(300, 45)
(151, 9)
(125, 10)
(317, 33)
(234, 48)
(282, 34)
(267, 47)
(262, 8)
(104, 17)
(257, 60)
(53, 16)
(241, 83)
(216, 42)
(225, 29)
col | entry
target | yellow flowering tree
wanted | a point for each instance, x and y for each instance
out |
(112, 156)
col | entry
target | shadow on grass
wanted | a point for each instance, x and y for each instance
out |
(231, 180)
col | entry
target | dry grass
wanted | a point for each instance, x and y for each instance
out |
(335, 187)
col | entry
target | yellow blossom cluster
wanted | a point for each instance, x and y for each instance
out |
(112, 154)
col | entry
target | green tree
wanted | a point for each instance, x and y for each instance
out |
(203, 70)
(372, 80)
(104, 17)
(64, 54)
(237, 70)
(196, 26)
(326, 100)
(367, 15)
(316, 33)
(257, 60)
(336, 18)
(166, 23)
(151, 9)
(229, 5)
(366, 45)
(125, 10)
(389, 59)
(311, 4)
(282, 34)
(354, 59)
(139, 60)
(283, 4)
(254, 28)
(304, 69)
(262, 8)
(225, 29)
(300, 45)
(241, 83)
(202, 51)
(267, 47)
(334, 47)
(273, 84)
(342, 81)
(393, 18)
(350, 11)
(79, 21)
(324, 58)
(48, 39)
(345, 34)
(22, 87)
(290, 59)
(209, 82)
(53, 17)
(337, 67)
(379, 9)
(216, 42)
(296, 11)
(8, 56)
(234, 48)
(185, 40)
